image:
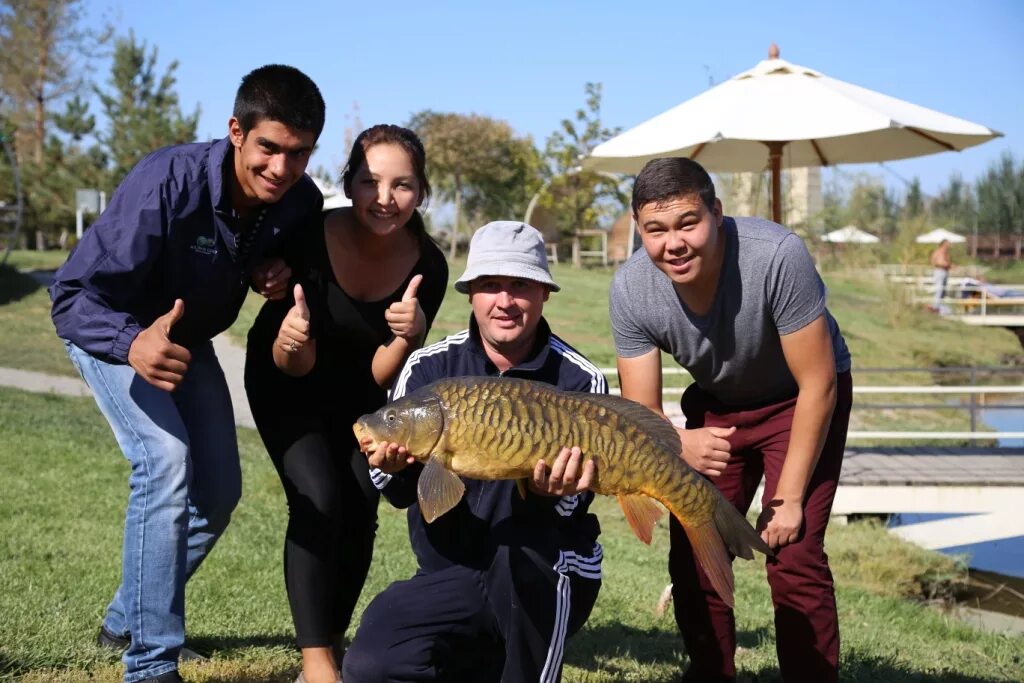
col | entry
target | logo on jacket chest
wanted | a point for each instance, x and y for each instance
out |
(207, 246)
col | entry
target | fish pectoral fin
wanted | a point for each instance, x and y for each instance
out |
(521, 485)
(439, 489)
(642, 513)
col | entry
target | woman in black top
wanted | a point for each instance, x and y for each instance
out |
(367, 287)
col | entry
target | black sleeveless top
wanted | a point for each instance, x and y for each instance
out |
(348, 332)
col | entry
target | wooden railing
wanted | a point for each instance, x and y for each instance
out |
(975, 393)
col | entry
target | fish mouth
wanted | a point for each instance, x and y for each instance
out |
(367, 444)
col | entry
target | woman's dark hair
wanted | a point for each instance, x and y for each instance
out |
(276, 92)
(390, 134)
(668, 178)
(387, 134)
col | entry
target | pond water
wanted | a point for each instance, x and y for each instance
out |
(1005, 556)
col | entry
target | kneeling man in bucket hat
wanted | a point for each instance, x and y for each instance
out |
(502, 580)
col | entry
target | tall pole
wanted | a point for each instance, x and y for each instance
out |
(775, 161)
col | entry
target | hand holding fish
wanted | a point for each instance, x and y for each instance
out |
(566, 476)
(780, 522)
(388, 457)
(706, 449)
(406, 318)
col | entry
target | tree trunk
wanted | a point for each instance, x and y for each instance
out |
(40, 95)
(453, 245)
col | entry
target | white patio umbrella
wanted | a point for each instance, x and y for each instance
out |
(849, 234)
(937, 235)
(748, 122)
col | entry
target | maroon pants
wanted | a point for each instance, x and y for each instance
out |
(806, 622)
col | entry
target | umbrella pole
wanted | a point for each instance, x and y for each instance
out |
(775, 161)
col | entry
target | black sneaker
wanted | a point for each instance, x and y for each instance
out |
(187, 655)
(169, 677)
(111, 640)
(107, 639)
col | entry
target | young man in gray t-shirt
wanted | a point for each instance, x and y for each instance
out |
(738, 303)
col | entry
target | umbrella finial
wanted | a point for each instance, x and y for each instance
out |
(773, 51)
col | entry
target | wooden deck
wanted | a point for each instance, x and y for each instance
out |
(980, 488)
(934, 465)
(992, 320)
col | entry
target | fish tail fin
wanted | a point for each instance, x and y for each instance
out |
(740, 538)
(713, 558)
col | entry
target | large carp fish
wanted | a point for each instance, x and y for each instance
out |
(498, 428)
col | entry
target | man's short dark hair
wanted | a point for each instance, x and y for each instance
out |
(668, 178)
(276, 92)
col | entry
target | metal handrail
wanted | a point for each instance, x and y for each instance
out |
(972, 390)
(959, 436)
(975, 369)
(969, 390)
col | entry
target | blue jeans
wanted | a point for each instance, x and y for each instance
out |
(185, 481)
(940, 276)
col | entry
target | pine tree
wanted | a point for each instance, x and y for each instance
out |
(141, 107)
(45, 52)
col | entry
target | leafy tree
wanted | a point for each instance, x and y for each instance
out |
(833, 212)
(872, 206)
(479, 164)
(954, 207)
(575, 197)
(141, 107)
(143, 112)
(67, 164)
(913, 206)
(75, 121)
(1000, 195)
(44, 57)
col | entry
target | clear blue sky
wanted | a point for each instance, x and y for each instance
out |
(526, 62)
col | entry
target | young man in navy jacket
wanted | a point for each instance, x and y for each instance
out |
(161, 272)
(502, 580)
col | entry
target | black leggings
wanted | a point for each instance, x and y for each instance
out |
(332, 520)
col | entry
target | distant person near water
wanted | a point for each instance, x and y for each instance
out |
(941, 262)
(162, 271)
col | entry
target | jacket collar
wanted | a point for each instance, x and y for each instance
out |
(220, 164)
(538, 355)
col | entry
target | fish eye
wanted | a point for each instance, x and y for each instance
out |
(390, 416)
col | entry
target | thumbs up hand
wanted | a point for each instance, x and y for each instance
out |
(406, 318)
(294, 332)
(155, 357)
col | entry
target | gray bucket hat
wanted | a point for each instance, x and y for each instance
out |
(507, 249)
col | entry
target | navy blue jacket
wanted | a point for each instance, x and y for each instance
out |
(167, 235)
(492, 513)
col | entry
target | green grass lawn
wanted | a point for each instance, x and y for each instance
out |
(27, 337)
(61, 514)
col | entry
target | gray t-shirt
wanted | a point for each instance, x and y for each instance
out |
(768, 287)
